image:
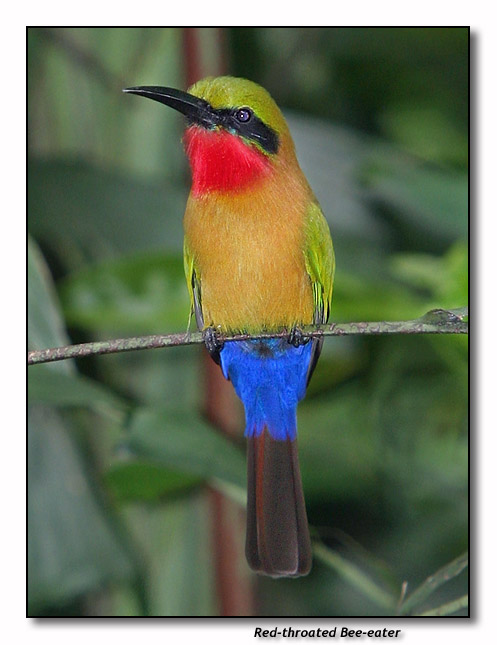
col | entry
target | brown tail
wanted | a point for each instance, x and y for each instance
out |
(278, 542)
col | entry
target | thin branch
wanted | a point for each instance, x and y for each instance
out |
(448, 608)
(436, 321)
(433, 582)
(359, 579)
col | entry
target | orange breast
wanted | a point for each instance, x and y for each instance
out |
(248, 252)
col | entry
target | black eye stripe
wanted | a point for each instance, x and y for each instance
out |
(252, 128)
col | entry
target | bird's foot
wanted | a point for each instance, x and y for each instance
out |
(213, 343)
(296, 337)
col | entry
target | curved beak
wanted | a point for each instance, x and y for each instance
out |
(196, 110)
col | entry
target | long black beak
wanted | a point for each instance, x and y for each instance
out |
(196, 110)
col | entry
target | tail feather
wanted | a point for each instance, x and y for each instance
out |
(278, 542)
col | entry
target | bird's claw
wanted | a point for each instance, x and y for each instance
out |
(296, 337)
(213, 343)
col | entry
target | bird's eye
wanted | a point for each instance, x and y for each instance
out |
(243, 115)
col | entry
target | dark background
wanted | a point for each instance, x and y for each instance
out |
(122, 462)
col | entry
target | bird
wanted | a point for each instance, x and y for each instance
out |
(258, 258)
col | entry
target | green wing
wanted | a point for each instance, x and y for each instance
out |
(320, 265)
(193, 284)
(319, 261)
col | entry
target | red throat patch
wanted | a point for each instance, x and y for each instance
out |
(221, 161)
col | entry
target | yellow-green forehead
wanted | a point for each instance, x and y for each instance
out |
(231, 92)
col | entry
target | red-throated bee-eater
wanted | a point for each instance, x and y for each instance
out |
(258, 257)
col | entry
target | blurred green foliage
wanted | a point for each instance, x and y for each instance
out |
(118, 451)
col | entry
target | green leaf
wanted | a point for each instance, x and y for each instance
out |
(72, 547)
(428, 198)
(448, 608)
(45, 323)
(359, 579)
(184, 442)
(79, 84)
(141, 481)
(357, 297)
(427, 132)
(445, 278)
(145, 292)
(63, 390)
(175, 543)
(440, 577)
(110, 213)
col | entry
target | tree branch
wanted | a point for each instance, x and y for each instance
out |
(436, 321)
